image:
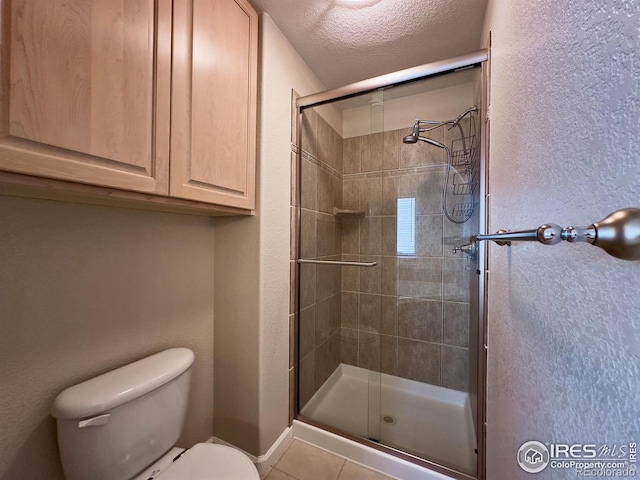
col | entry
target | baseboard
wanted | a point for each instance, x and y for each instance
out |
(264, 462)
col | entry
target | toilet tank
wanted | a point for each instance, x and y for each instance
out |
(115, 425)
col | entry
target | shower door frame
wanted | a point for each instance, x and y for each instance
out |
(385, 81)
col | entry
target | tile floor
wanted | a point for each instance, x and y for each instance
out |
(302, 461)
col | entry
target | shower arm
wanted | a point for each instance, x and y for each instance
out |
(618, 234)
(437, 124)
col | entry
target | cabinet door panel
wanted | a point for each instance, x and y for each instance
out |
(81, 80)
(214, 102)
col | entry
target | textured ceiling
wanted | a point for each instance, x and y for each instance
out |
(344, 41)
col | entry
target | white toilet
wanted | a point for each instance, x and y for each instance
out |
(123, 425)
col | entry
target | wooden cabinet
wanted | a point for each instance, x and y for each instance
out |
(87, 97)
(213, 105)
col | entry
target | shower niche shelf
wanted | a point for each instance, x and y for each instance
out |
(340, 212)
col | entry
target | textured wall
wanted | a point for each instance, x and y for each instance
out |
(564, 321)
(84, 289)
(252, 266)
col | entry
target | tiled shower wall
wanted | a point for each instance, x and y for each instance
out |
(408, 316)
(320, 291)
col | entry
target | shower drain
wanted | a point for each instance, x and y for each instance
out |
(388, 419)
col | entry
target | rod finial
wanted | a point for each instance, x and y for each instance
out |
(619, 234)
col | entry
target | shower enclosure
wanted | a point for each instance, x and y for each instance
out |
(388, 299)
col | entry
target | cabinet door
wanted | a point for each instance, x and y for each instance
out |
(86, 91)
(213, 114)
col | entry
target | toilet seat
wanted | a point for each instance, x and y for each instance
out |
(206, 461)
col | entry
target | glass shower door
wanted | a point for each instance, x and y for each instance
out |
(340, 273)
(384, 300)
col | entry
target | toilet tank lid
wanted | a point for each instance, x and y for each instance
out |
(117, 387)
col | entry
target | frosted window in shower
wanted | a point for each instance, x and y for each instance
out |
(406, 226)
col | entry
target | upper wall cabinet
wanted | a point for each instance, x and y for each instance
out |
(213, 104)
(148, 96)
(85, 91)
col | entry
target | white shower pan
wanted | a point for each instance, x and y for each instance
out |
(431, 422)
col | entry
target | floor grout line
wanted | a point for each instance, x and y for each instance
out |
(344, 462)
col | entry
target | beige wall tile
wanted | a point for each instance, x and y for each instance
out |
(338, 152)
(390, 195)
(419, 361)
(420, 319)
(324, 320)
(455, 280)
(351, 275)
(389, 275)
(351, 235)
(325, 142)
(307, 285)
(327, 281)
(306, 380)
(389, 236)
(371, 196)
(429, 236)
(369, 310)
(455, 368)
(308, 235)
(351, 155)
(391, 149)
(349, 346)
(454, 235)
(371, 152)
(325, 235)
(349, 310)
(456, 324)
(369, 350)
(351, 194)
(420, 277)
(307, 330)
(389, 354)
(325, 191)
(309, 188)
(327, 359)
(371, 236)
(388, 315)
(337, 191)
(370, 277)
(309, 134)
(425, 188)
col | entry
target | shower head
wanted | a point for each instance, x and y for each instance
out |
(413, 138)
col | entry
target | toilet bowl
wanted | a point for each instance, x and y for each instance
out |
(203, 461)
(123, 425)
